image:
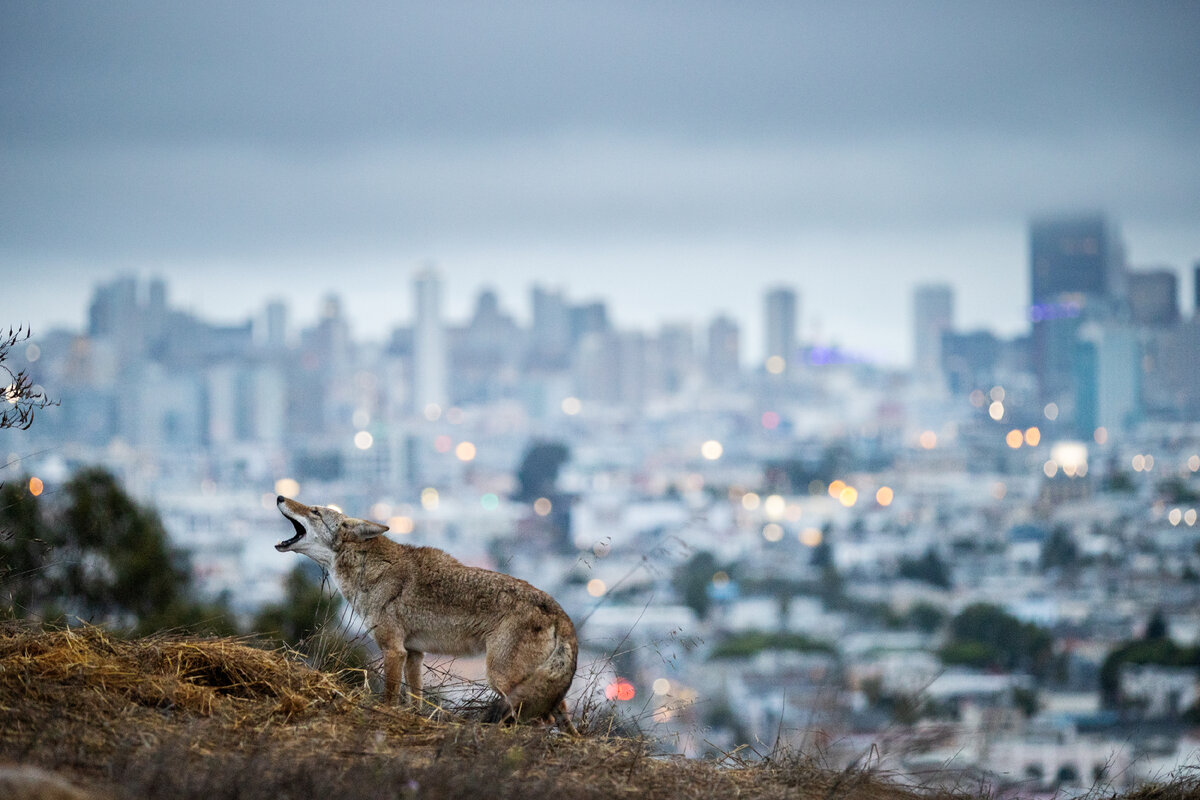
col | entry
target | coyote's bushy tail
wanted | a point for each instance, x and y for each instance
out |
(541, 693)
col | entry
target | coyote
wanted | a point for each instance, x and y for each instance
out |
(416, 600)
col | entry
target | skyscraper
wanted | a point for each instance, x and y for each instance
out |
(724, 351)
(1075, 256)
(1077, 273)
(429, 344)
(1154, 297)
(550, 335)
(779, 333)
(933, 315)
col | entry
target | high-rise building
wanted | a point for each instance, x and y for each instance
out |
(1108, 379)
(933, 316)
(779, 333)
(723, 359)
(550, 332)
(588, 318)
(1154, 297)
(1077, 273)
(429, 343)
(1075, 256)
(1196, 289)
(275, 337)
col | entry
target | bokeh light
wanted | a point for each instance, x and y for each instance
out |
(1100, 435)
(776, 365)
(720, 579)
(572, 406)
(848, 496)
(884, 495)
(770, 420)
(35, 486)
(835, 488)
(401, 524)
(750, 501)
(542, 506)
(1175, 516)
(711, 449)
(465, 451)
(430, 499)
(1033, 437)
(597, 587)
(661, 686)
(928, 440)
(996, 410)
(1014, 439)
(1051, 411)
(772, 531)
(287, 487)
(810, 537)
(774, 506)
(433, 412)
(1194, 463)
(621, 690)
(363, 440)
(490, 502)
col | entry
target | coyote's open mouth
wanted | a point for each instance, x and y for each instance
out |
(284, 545)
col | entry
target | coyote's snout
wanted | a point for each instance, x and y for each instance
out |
(418, 600)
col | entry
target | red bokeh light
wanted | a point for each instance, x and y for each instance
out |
(620, 689)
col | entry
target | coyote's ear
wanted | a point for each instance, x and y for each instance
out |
(362, 530)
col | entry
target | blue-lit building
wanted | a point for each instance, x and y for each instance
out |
(1077, 273)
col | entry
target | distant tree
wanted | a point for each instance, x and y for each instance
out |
(987, 637)
(752, 642)
(1059, 549)
(1119, 481)
(929, 568)
(101, 558)
(26, 575)
(1177, 490)
(692, 580)
(1156, 626)
(22, 397)
(822, 554)
(925, 617)
(1161, 651)
(538, 473)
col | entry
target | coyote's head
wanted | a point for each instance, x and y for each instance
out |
(321, 530)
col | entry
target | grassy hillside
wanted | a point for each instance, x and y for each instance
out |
(186, 717)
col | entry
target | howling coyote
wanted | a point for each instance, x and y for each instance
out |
(418, 600)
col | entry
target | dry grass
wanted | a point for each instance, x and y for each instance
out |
(187, 717)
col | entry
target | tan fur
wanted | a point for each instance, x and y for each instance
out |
(418, 600)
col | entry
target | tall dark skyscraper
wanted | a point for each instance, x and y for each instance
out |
(1075, 256)
(1077, 272)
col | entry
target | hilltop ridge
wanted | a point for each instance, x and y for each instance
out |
(193, 717)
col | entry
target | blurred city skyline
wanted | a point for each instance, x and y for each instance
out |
(675, 165)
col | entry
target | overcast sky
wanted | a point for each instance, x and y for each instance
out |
(673, 158)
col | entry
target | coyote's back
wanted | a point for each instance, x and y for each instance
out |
(420, 599)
